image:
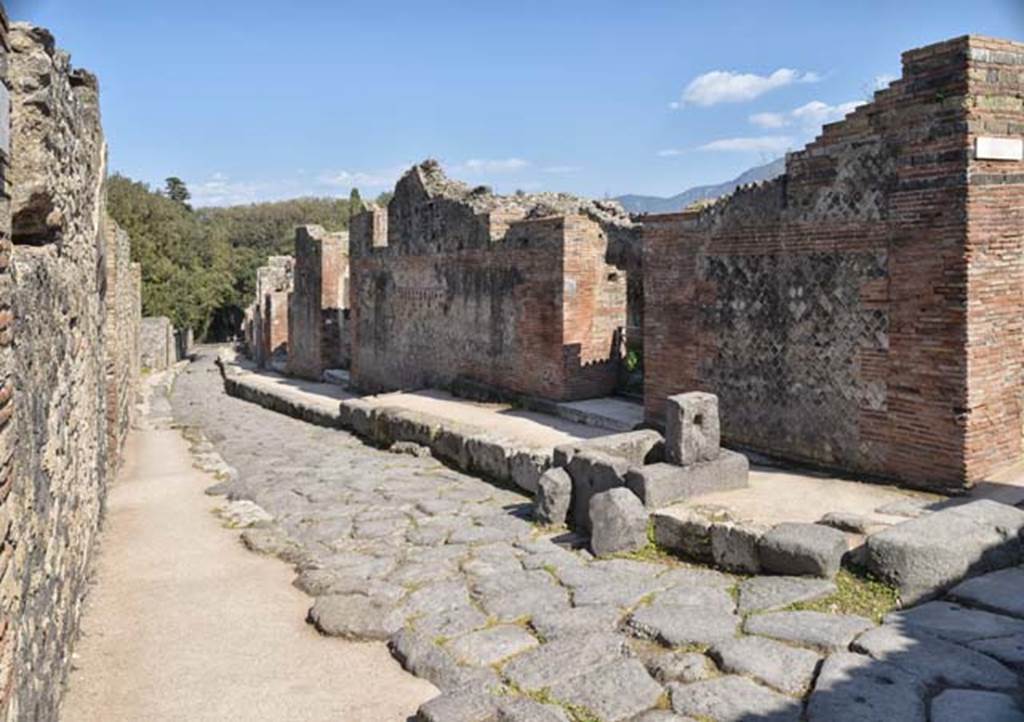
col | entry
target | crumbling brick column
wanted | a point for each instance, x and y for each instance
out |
(318, 298)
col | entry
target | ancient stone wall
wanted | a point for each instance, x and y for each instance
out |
(319, 294)
(9, 579)
(157, 342)
(510, 292)
(69, 364)
(853, 313)
(274, 283)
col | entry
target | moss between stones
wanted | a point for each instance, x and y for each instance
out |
(857, 592)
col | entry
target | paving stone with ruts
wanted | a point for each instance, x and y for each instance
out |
(827, 632)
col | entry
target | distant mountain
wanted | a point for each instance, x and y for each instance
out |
(654, 204)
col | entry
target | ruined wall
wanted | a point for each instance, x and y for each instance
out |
(274, 282)
(320, 292)
(157, 343)
(73, 296)
(510, 292)
(829, 309)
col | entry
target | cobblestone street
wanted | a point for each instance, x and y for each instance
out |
(474, 597)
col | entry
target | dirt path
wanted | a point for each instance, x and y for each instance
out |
(184, 624)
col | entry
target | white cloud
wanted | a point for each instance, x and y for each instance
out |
(727, 86)
(669, 153)
(221, 190)
(769, 120)
(882, 81)
(759, 144)
(491, 165)
(348, 180)
(561, 169)
(809, 117)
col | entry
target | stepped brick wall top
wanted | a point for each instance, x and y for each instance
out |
(510, 292)
(863, 311)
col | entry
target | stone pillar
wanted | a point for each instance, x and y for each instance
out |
(692, 433)
(320, 292)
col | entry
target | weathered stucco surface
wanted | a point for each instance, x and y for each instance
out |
(863, 311)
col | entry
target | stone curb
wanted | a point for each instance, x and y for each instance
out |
(464, 447)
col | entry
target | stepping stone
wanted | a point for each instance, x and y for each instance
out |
(827, 632)
(676, 625)
(1008, 650)
(934, 661)
(552, 624)
(955, 623)
(802, 549)
(855, 688)
(614, 692)
(549, 664)
(618, 522)
(553, 496)
(592, 472)
(787, 669)
(353, 616)
(923, 557)
(968, 705)
(492, 645)
(766, 594)
(733, 699)
(1001, 591)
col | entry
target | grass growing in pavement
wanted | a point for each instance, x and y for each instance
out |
(856, 593)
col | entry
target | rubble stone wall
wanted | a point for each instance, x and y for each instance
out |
(506, 292)
(863, 311)
(157, 341)
(319, 294)
(69, 311)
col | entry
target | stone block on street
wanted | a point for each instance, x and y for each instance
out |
(553, 498)
(802, 550)
(692, 431)
(660, 485)
(592, 472)
(618, 522)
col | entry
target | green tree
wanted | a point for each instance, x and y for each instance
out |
(355, 202)
(176, 190)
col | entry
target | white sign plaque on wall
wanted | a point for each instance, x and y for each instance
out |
(5, 120)
(999, 148)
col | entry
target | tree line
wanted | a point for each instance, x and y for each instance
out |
(199, 265)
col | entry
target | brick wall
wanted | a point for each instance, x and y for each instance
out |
(457, 284)
(270, 312)
(834, 310)
(319, 294)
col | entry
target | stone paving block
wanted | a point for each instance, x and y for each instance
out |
(524, 709)
(662, 715)
(1001, 592)
(353, 616)
(677, 626)
(660, 485)
(956, 623)
(450, 622)
(1008, 650)
(787, 669)
(826, 632)
(553, 497)
(690, 595)
(489, 646)
(459, 707)
(562, 659)
(971, 705)
(618, 522)
(768, 594)
(592, 472)
(553, 623)
(680, 667)
(934, 661)
(856, 688)
(734, 546)
(692, 432)
(733, 699)
(419, 655)
(923, 557)
(614, 692)
(802, 549)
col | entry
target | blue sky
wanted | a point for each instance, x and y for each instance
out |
(250, 100)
